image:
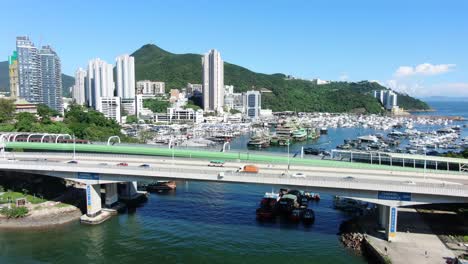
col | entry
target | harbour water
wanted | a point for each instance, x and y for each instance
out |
(199, 223)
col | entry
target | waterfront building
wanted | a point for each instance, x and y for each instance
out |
(213, 81)
(228, 89)
(51, 78)
(13, 74)
(253, 103)
(140, 110)
(29, 70)
(125, 79)
(174, 115)
(147, 87)
(387, 98)
(100, 83)
(79, 89)
(174, 95)
(128, 106)
(110, 107)
(23, 106)
(191, 89)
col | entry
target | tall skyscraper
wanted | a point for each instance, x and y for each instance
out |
(100, 82)
(51, 78)
(13, 74)
(79, 89)
(125, 66)
(29, 71)
(213, 81)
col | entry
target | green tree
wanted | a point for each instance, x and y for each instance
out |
(132, 119)
(156, 105)
(7, 108)
(45, 113)
(26, 122)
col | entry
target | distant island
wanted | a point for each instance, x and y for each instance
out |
(280, 92)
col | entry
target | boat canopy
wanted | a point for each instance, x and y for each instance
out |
(289, 196)
(217, 161)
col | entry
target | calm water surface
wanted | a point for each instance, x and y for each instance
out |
(200, 223)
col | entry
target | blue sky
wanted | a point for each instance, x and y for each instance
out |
(414, 46)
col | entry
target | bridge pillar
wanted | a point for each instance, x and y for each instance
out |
(111, 194)
(93, 200)
(130, 190)
(382, 215)
(388, 219)
(391, 216)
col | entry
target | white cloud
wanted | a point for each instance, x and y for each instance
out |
(412, 88)
(417, 88)
(423, 69)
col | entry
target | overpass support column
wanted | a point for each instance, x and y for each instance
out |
(93, 200)
(388, 219)
(130, 190)
(111, 195)
(391, 225)
(383, 218)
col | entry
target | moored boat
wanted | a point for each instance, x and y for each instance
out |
(161, 186)
(308, 216)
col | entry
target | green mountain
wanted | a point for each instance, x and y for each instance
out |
(154, 63)
(67, 81)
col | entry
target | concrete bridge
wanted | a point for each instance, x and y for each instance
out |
(389, 187)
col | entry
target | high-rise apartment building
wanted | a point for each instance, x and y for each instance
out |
(125, 81)
(51, 78)
(147, 87)
(387, 98)
(29, 70)
(213, 81)
(99, 83)
(13, 74)
(79, 89)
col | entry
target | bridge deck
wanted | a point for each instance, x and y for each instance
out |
(205, 154)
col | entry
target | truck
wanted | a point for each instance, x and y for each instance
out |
(250, 169)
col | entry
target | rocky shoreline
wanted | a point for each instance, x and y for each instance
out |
(351, 235)
(43, 218)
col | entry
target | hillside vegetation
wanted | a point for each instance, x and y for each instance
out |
(154, 63)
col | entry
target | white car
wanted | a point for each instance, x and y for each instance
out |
(299, 175)
(410, 182)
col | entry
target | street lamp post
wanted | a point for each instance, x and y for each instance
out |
(288, 153)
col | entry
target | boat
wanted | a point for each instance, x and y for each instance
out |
(258, 141)
(287, 204)
(267, 209)
(296, 215)
(299, 135)
(161, 186)
(308, 217)
(312, 196)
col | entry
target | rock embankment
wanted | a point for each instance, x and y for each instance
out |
(351, 235)
(353, 241)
